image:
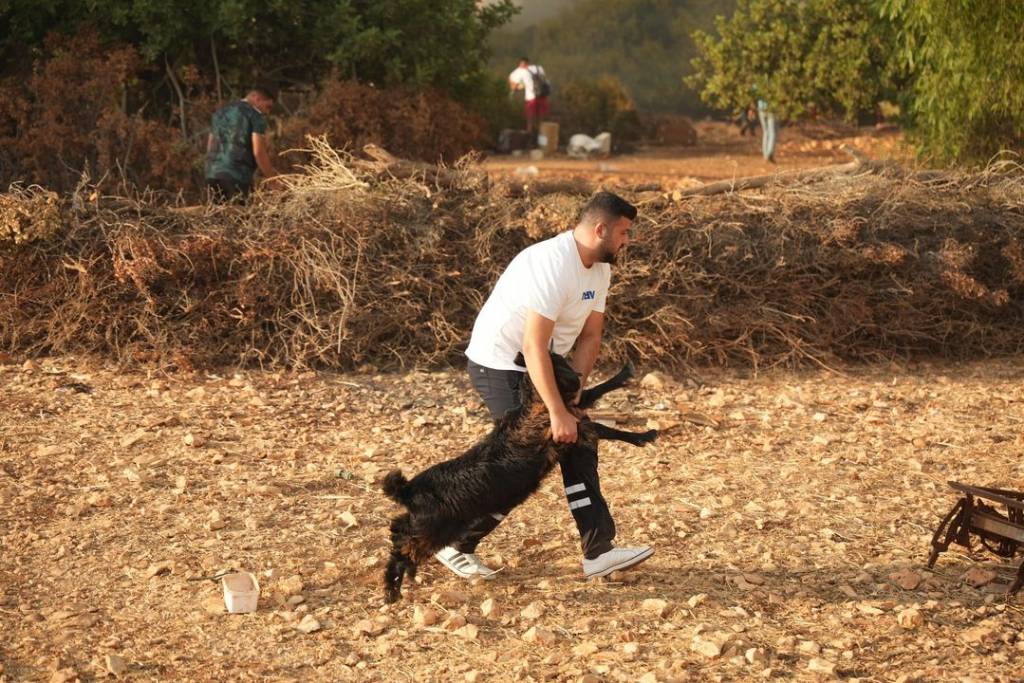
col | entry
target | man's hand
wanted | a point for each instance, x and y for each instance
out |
(563, 427)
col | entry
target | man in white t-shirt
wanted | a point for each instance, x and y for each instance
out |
(531, 79)
(552, 296)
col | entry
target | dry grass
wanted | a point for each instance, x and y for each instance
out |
(350, 265)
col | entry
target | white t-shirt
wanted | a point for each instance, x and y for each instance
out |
(523, 76)
(548, 278)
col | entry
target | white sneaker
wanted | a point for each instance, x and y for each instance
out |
(466, 565)
(614, 560)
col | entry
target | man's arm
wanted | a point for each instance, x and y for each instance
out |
(209, 142)
(588, 345)
(259, 150)
(538, 363)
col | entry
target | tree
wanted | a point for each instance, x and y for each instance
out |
(636, 42)
(967, 62)
(439, 43)
(832, 56)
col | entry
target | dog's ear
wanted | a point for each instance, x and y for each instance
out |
(520, 360)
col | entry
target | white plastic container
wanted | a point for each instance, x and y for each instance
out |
(241, 592)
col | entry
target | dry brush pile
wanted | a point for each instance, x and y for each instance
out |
(386, 264)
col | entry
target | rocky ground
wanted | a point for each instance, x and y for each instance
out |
(791, 512)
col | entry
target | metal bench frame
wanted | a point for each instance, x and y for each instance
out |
(1002, 534)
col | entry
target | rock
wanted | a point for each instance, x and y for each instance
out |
(821, 666)
(585, 649)
(648, 677)
(809, 647)
(158, 568)
(65, 675)
(590, 678)
(654, 380)
(756, 655)
(655, 606)
(906, 578)
(425, 616)
(984, 632)
(979, 576)
(540, 636)
(365, 627)
(532, 611)
(910, 618)
(215, 522)
(349, 519)
(291, 586)
(472, 676)
(450, 599)
(869, 609)
(193, 440)
(309, 624)
(214, 604)
(696, 599)
(133, 438)
(116, 665)
(468, 632)
(295, 600)
(489, 609)
(454, 622)
(708, 648)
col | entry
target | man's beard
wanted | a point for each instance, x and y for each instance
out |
(607, 255)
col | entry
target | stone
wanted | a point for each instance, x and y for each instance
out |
(116, 665)
(425, 616)
(489, 609)
(532, 611)
(468, 632)
(291, 586)
(654, 380)
(540, 636)
(655, 606)
(821, 666)
(906, 578)
(979, 576)
(309, 624)
(910, 618)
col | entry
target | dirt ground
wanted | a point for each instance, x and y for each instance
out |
(721, 153)
(791, 513)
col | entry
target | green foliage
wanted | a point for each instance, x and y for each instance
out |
(644, 44)
(438, 43)
(832, 56)
(968, 66)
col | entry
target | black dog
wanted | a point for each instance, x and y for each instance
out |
(495, 475)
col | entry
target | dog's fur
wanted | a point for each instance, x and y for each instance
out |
(495, 475)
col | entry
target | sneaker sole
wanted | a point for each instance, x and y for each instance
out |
(631, 562)
(463, 575)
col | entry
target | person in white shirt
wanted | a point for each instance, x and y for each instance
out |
(552, 296)
(531, 79)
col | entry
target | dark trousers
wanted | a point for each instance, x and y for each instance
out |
(500, 391)
(223, 190)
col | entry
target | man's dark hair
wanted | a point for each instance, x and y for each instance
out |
(265, 90)
(524, 59)
(608, 205)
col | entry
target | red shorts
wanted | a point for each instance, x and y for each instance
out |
(536, 107)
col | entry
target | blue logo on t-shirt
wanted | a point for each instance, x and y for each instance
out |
(588, 295)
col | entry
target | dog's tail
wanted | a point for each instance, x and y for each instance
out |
(394, 486)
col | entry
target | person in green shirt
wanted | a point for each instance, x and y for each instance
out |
(237, 146)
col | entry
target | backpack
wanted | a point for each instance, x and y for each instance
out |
(541, 85)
